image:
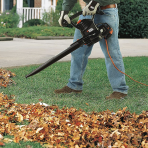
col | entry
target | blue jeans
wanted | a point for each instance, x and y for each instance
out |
(79, 57)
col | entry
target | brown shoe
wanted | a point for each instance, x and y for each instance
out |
(116, 95)
(66, 90)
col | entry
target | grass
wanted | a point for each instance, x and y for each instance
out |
(34, 31)
(22, 144)
(96, 87)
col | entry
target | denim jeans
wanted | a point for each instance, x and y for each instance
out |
(79, 57)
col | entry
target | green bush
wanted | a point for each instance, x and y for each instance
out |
(133, 19)
(51, 18)
(33, 22)
(59, 5)
(10, 19)
(2, 24)
(13, 10)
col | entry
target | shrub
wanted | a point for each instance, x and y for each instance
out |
(33, 22)
(51, 18)
(2, 24)
(59, 5)
(13, 10)
(133, 19)
(10, 19)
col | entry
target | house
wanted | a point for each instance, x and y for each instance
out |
(33, 11)
(6, 5)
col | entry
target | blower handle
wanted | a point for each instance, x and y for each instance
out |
(99, 11)
(75, 15)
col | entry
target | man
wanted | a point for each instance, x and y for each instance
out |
(80, 56)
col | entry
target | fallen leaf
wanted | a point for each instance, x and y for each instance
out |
(1, 137)
(5, 78)
(69, 127)
(87, 104)
(7, 140)
(2, 144)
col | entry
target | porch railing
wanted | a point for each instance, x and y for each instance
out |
(34, 13)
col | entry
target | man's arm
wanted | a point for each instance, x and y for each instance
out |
(68, 4)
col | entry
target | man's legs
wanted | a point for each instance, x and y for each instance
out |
(79, 59)
(117, 79)
(80, 56)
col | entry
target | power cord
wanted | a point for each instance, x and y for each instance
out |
(117, 68)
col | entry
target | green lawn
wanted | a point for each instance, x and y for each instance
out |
(96, 87)
(34, 31)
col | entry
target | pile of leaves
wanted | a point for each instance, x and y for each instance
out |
(69, 127)
(5, 77)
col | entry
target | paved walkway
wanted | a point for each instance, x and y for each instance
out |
(20, 52)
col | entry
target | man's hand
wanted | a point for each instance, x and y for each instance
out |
(91, 8)
(64, 19)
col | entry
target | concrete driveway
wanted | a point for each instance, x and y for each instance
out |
(20, 52)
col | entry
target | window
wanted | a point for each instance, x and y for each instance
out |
(30, 3)
(8, 4)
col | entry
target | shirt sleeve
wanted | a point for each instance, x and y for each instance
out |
(68, 4)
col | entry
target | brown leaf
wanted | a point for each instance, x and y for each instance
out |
(7, 140)
(2, 144)
(5, 77)
(28, 146)
(69, 127)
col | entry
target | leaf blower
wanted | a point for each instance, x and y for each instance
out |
(91, 34)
